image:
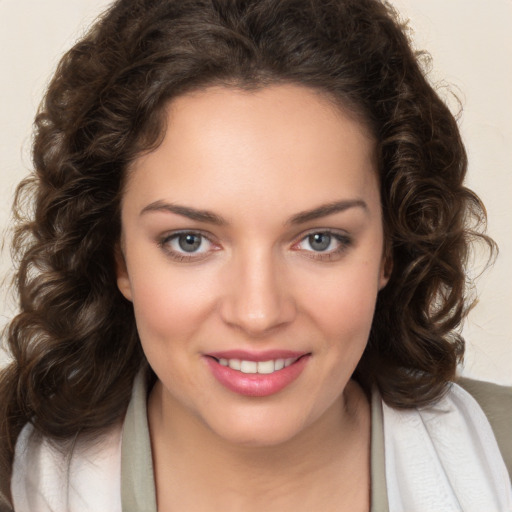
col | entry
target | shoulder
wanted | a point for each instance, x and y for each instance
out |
(496, 402)
(59, 476)
(445, 455)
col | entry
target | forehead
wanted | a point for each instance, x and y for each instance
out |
(282, 143)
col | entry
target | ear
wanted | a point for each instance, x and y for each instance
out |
(123, 280)
(386, 267)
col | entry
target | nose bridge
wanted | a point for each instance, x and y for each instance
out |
(257, 300)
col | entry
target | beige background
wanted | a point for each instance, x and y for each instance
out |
(471, 45)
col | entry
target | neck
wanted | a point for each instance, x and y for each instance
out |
(320, 457)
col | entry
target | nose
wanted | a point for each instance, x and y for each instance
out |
(257, 299)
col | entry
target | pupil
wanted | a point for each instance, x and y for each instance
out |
(320, 241)
(189, 243)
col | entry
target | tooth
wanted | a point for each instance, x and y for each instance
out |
(289, 361)
(266, 367)
(279, 364)
(249, 367)
(223, 362)
(234, 364)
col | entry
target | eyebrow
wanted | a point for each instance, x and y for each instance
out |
(185, 211)
(327, 209)
(212, 218)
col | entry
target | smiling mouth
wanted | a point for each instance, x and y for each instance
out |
(261, 367)
(269, 374)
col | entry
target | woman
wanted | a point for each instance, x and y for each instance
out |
(250, 222)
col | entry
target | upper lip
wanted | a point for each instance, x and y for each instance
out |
(266, 355)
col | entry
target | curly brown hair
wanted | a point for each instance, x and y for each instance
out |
(74, 344)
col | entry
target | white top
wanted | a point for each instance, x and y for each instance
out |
(87, 480)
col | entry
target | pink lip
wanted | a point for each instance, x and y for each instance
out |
(255, 384)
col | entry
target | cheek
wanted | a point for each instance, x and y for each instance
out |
(343, 307)
(170, 308)
(169, 305)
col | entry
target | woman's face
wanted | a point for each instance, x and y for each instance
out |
(253, 255)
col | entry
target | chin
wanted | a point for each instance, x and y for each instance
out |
(258, 428)
(258, 438)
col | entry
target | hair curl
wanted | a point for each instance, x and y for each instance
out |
(74, 343)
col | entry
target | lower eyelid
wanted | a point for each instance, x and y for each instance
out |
(334, 255)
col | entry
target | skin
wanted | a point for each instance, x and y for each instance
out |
(256, 282)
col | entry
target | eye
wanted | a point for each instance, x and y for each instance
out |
(187, 245)
(320, 241)
(323, 245)
(189, 242)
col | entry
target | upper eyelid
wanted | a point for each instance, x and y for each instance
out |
(330, 231)
(174, 233)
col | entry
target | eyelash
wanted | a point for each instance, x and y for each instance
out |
(343, 240)
(164, 244)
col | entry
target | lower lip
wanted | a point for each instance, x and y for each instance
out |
(256, 384)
